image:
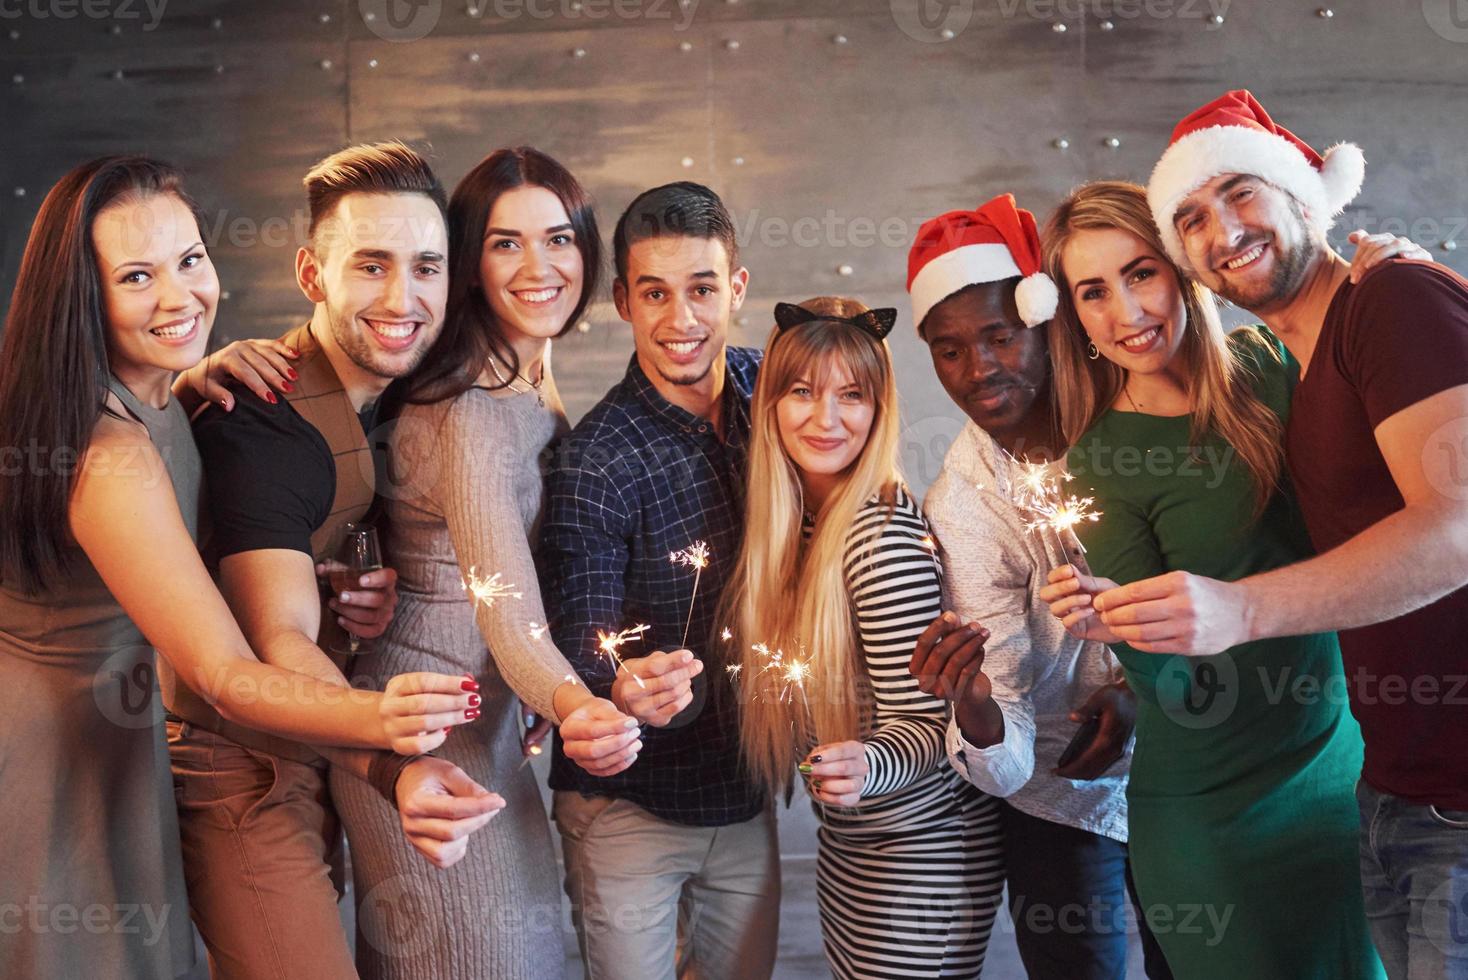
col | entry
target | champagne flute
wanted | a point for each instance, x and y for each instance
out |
(358, 553)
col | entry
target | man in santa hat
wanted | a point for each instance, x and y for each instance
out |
(1377, 448)
(977, 295)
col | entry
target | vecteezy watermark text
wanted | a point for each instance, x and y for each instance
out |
(90, 9)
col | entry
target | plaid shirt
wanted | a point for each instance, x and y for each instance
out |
(638, 479)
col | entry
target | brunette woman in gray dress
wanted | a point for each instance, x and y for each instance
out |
(98, 496)
(467, 448)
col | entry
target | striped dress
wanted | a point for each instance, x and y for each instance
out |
(909, 880)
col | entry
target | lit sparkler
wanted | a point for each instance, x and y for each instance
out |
(610, 645)
(487, 590)
(696, 557)
(793, 672)
(1037, 489)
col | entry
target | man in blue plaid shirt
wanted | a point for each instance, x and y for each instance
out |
(672, 864)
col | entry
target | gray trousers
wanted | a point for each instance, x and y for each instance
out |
(656, 900)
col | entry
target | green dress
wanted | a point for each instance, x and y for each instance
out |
(1241, 802)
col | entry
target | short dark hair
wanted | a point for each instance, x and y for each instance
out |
(682, 209)
(389, 167)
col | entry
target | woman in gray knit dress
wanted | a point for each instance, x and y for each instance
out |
(466, 452)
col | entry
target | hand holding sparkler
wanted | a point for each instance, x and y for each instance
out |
(440, 807)
(1070, 594)
(599, 738)
(835, 772)
(948, 662)
(655, 688)
(537, 729)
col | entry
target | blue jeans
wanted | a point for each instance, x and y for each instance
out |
(1414, 874)
(1068, 893)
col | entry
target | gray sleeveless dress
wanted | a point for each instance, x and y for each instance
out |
(91, 875)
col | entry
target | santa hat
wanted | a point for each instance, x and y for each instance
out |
(1234, 135)
(998, 241)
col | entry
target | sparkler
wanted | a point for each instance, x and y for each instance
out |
(487, 590)
(695, 556)
(792, 672)
(610, 645)
(1037, 490)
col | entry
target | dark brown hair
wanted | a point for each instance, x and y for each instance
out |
(53, 362)
(679, 210)
(470, 330)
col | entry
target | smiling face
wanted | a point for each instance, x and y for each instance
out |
(989, 362)
(379, 266)
(679, 295)
(824, 417)
(159, 289)
(1127, 297)
(1247, 240)
(530, 269)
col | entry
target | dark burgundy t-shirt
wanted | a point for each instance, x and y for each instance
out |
(1396, 338)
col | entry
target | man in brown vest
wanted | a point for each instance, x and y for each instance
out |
(283, 478)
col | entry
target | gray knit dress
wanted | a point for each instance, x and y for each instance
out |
(464, 497)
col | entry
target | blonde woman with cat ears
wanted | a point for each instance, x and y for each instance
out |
(836, 580)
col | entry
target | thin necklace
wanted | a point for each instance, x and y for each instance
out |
(510, 384)
(1124, 390)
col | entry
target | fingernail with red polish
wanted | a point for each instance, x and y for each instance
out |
(471, 713)
(291, 373)
(474, 700)
(270, 397)
(469, 685)
(286, 386)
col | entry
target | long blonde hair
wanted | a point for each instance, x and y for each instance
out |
(788, 595)
(1219, 385)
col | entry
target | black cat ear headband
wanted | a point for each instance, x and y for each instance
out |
(877, 323)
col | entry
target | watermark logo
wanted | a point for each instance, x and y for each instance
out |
(1445, 459)
(932, 21)
(400, 20)
(924, 443)
(1198, 692)
(1445, 916)
(399, 918)
(1447, 18)
(125, 688)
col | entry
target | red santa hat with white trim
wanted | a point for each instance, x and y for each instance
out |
(961, 248)
(1234, 135)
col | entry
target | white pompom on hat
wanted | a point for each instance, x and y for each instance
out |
(961, 248)
(1234, 135)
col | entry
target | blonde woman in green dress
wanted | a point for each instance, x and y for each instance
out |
(1242, 808)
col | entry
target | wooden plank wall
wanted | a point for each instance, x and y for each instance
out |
(831, 127)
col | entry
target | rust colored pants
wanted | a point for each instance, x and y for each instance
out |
(259, 837)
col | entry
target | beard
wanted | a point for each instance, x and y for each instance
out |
(687, 380)
(1287, 277)
(347, 333)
